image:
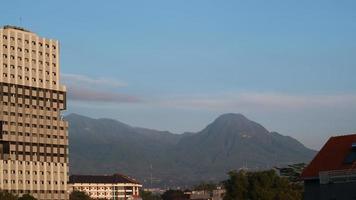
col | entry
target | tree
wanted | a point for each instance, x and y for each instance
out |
(264, 185)
(27, 197)
(205, 186)
(174, 195)
(147, 195)
(7, 196)
(78, 195)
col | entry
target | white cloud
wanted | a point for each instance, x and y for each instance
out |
(253, 101)
(91, 95)
(81, 80)
(87, 89)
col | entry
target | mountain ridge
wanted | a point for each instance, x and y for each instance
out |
(229, 142)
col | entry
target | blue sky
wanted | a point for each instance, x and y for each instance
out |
(177, 65)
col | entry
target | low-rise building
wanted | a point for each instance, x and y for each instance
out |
(331, 175)
(117, 186)
(216, 194)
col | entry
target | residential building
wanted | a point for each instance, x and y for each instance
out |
(117, 186)
(331, 175)
(33, 135)
(215, 194)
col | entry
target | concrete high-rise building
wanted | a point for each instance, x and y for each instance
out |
(33, 135)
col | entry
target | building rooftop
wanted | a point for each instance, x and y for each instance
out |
(337, 154)
(16, 28)
(116, 178)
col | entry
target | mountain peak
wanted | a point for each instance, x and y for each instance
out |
(235, 123)
(232, 116)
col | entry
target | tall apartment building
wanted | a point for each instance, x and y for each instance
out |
(33, 135)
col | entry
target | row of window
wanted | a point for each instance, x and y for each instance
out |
(28, 78)
(27, 89)
(34, 163)
(20, 105)
(34, 182)
(101, 188)
(19, 49)
(37, 191)
(34, 135)
(27, 115)
(39, 144)
(27, 60)
(25, 99)
(27, 172)
(40, 156)
(12, 38)
(35, 100)
(27, 69)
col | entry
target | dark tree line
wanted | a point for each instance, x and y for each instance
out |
(9, 196)
(264, 185)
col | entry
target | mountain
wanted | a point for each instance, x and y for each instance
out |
(161, 158)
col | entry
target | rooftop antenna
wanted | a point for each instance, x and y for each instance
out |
(21, 21)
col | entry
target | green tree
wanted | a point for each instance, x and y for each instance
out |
(264, 185)
(27, 197)
(205, 186)
(78, 195)
(7, 196)
(174, 195)
(147, 195)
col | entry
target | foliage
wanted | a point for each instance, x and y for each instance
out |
(78, 195)
(27, 197)
(205, 186)
(174, 195)
(147, 195)
(264, 185)
(7, 196)
(292, 172)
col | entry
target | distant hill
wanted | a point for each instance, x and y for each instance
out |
(161, 158)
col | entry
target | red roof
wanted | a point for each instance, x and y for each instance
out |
(331, 157)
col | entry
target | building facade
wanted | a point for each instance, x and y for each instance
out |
(331, 175)
(33, 135)
(116, 187)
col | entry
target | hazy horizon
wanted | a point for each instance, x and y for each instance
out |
(178, 65)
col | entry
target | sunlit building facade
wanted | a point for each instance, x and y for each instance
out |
(113, 187)
(33, 135)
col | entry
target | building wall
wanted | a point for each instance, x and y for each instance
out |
(33, 137)
(108, 191)
(332, 191)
